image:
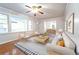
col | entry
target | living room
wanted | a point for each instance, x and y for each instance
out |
(18, 21)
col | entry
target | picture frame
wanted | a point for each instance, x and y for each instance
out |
(70, 24)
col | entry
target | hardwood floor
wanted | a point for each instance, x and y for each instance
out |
(10, 49)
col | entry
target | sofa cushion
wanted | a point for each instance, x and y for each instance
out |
(68, 42)
(56, 39)
(61, 50)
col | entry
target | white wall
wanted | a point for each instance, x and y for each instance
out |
(9, 36)
(59, 23)
(74, 8)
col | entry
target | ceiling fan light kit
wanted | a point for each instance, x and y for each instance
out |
(35, 9)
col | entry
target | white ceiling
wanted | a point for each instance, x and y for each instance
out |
(50, 9)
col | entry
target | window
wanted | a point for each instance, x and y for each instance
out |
(3, 23)
(26, 25)
(29, 24)
(49, 25)
(17, 24)
(14, 24)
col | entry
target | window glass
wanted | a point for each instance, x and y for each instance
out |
(17, 24)
(20, 24)
(49, 25)
(29, 25)
(3, 23)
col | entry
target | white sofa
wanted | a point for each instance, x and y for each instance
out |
(69, 48)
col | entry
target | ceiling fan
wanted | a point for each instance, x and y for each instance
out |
(35, 9)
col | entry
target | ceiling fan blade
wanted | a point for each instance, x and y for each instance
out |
(28, 11)
(35, 14)
(40, 12)
(27, 6)
(39, 7)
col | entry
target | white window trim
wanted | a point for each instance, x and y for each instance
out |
(9, 25)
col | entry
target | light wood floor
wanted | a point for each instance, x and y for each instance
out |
(10, 49)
